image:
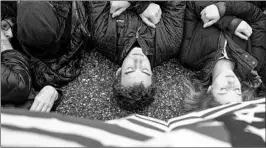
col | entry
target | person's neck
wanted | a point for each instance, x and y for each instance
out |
(222, 65)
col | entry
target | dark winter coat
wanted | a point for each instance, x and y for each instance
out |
(15, 77)
(202, 48)
(115, 37)
(58, 63)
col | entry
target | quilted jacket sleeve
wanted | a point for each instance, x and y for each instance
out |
(139, 6)
(15, 77)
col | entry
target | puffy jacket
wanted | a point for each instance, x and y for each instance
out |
(15, 77)
(115, 37)
(202, 47)
(57, 69)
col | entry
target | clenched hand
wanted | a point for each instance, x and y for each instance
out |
(210, 15)
(118, 7)
(243, 30)
(151, 15)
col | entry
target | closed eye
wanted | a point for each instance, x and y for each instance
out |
(146, 71)
(129, 70)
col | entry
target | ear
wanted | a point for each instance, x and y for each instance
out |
(118, 72)
(209, 89)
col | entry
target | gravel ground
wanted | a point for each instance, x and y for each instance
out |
(90, 95)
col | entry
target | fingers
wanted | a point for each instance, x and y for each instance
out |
(241, 36)
(34, 105)
(113, 9)
(247, 33)
(117, 12)
(37, 106)
(44, 108)
(250, 30)
(208, 24)
(148, 22)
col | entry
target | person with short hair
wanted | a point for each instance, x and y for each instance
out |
(138, 36)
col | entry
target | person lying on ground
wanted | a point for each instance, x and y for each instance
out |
(15, 73)
(224, 42)
(16, 82)
(138, 36)
(53, 36)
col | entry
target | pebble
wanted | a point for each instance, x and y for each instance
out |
(93, 99)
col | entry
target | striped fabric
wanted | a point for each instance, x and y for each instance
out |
(219, 126)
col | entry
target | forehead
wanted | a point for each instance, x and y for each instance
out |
(7, 22)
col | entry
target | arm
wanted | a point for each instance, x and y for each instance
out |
(244, 10)
(15, 77)
(228, 23)
(139, 6)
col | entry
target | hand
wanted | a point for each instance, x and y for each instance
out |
(210, 15)
(44, 100)
(243, 30)
(118, 7)
(152, 15)
(5, 44)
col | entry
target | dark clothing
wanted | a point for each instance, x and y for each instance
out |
(202, 48)
(115, 37)
(53, 36)
(15, 77)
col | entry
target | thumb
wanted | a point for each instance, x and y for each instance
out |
(118, 12)
(241, 36)
(208, 24)
(147, 22)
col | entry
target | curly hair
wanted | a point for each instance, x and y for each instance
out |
(133, 98)
(196, 97)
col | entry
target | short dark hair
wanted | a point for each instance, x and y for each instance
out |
(133, 98)
(7, 13)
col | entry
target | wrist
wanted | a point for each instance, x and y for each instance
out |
(234, 24)
(221, 8)
(139, 7)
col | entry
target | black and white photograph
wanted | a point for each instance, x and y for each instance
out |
(133, 73)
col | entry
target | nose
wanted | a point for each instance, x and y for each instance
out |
(231, 83)
(138, 62)
(9, 33)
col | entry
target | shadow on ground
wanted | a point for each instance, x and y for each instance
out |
(90, 95)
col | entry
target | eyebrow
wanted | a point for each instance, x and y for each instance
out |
(226, 93)
(146, 73)
(221, 94)
(141, 71)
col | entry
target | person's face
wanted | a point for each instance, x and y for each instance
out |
(136, 69)
(226, 88)
(6, 28)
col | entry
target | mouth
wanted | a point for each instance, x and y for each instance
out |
(230, 76)
(138, 54)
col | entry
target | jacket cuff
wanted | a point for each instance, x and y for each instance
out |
(59, 98)
(139, 7)
(3, 53)
(221, 7)
(234, 24)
